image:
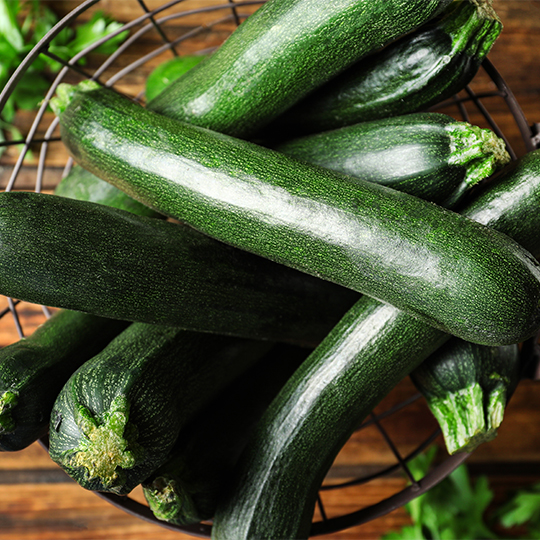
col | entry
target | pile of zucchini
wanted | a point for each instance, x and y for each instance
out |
(248, 264)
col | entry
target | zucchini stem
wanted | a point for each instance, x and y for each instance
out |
(8, 401)
(109, 447)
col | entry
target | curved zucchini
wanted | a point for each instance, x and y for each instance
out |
(118, 416)
(367, 353)
(34, 369)
(363, 236)
(105, 261)
(275, 57)
(413, 73)
(187, 487)
(429, 155)
(467, 387)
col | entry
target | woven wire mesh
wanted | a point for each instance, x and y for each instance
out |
(114, 71)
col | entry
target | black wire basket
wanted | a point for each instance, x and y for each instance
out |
(172, 23)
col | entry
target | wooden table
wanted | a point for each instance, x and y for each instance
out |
(38, 501)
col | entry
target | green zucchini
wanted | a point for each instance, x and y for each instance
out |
(105, 261)
(283, 51)
(167, 72)
(368, 352)
(467, 387)
(360, 235)
(429, 155)
(34, 369)
(118, 416)
(187, 487)
(415, 72)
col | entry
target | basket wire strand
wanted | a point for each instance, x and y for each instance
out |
(231, 11)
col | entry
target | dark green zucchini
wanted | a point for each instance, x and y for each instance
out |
(467, 387)
(419, 70)
(367, 353)
(187, 487)
(118, 416)
(283, 51)
(429, 155)
(361, 235)
(34, 369)
(105, 261)
(167, 72)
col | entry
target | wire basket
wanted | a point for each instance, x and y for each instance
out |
(173, 24)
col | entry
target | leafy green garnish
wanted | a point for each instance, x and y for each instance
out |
(22, 25)
(455, 509)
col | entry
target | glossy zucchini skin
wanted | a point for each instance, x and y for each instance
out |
(187, 487)
(417, 71)
(34, 369)
(363, 236)
(274, 58)
(429, 155)
(367, 353)
(105, 261)
(118, 416)
(467, 387)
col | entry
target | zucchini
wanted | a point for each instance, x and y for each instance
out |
(168, 72)
(105, 261)
(187, 487)
(467, 387)
(360, 235)
(118, 416)
(417, 71)
(429, 155)
(34, 369)
(366, 354)
(283, 51)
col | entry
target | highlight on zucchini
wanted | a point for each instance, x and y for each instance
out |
(368, 352)
(467, 388)
(429, 155)
(118, 416)
(362, 236)
(415, 72)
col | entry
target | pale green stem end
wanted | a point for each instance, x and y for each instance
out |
(8, 401)
(107, 448)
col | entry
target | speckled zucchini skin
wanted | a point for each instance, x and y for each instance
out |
(119, 414)
(105, 261)
(413, 73)
(277, 479)
(34, 369)
(467, 387)
(281, 53)
(363, 236)
(429, 155)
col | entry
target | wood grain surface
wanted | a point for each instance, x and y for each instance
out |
(38, 501)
